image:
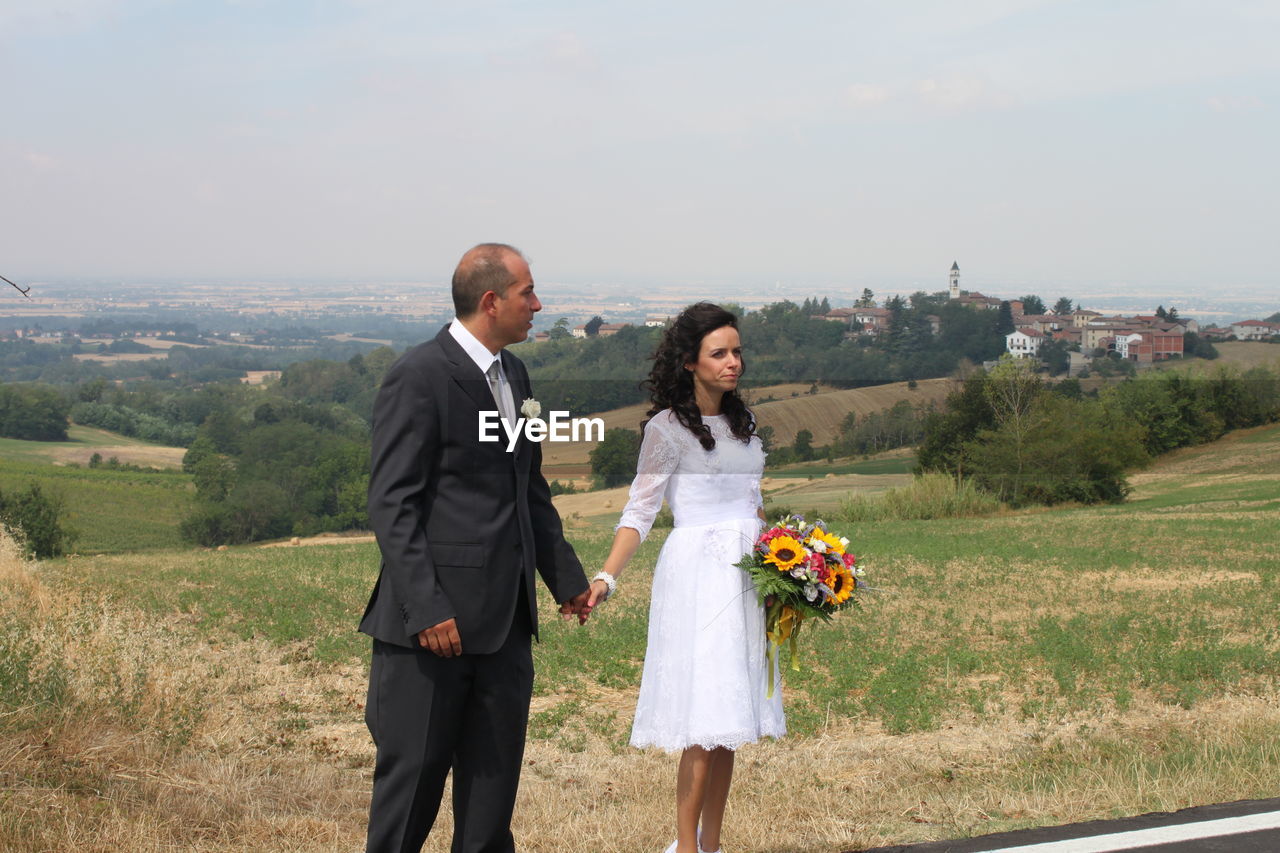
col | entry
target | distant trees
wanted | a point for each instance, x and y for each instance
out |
(1028, 443)
(593, 325)
(1194, 346)
(560, 330)
(1063, 306)
(33, 412)
(291, 470)
(901, 425)
(134, 423)
(293, 460)
(1018, 440)
(1005, 325)
(1054, 355)
(613, 460)
(1032, 304)
(816, 306)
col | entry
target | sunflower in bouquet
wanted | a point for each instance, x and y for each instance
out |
(800, 570)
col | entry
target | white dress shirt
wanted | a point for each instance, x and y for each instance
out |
(479, 353)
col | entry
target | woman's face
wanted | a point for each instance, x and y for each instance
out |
(719, 364)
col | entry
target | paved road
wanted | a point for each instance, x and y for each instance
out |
(1248, 826)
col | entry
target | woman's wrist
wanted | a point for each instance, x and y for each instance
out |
(609, 581)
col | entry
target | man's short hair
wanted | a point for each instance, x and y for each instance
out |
(482, 268)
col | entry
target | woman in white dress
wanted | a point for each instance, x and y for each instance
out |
(703, 689)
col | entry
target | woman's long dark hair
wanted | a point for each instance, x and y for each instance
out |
(670, 386)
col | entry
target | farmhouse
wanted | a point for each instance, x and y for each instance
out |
(1254, 330)
(1024, 342)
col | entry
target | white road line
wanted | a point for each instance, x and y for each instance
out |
(1156, 835)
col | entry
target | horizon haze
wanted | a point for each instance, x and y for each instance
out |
(1048, 146)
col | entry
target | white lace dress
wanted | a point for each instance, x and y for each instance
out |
(704, 679)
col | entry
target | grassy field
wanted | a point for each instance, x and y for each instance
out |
(1246, 354)
(786, 408)
(111, 511)
(1022, 669)
(82, 442)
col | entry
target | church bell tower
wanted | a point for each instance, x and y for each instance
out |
(955, 280)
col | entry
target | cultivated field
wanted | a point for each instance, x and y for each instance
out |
(110, 510)
(787, 408)
(83, 441)
(1029, 668)
(803, 487)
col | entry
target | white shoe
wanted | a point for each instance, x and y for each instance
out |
(674, 845)
(700, 850)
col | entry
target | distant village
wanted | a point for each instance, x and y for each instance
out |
(1141, 338)
(1086, 334)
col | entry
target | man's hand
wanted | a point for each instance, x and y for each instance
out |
(442, 639)
(580, 605)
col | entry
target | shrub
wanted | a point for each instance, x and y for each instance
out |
(565, 488)
(35, 519)
(928, 496)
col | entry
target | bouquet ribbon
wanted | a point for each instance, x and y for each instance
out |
(781, 625)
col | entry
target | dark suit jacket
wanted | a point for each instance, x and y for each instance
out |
(458, 521)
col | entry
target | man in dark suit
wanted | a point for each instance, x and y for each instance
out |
(462, 525)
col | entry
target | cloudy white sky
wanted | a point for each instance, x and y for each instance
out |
(1086, 141)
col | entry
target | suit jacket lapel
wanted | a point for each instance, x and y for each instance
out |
(464, 372)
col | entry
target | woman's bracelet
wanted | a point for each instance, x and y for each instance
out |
(610, 582)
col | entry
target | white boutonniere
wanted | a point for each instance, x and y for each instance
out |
(530, 408)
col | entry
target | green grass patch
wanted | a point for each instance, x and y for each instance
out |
(878, 465)
(111, 511)
(285, 595)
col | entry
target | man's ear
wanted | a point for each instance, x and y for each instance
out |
(488, 302)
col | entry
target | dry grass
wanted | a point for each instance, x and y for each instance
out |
(823, 493)
(170, 734)
(1245, 354)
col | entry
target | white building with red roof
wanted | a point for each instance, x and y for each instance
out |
(1024, 342)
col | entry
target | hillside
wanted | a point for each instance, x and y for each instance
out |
(110, 510)
(1029, 668)
(85, 441)
(1243, 354)
(787, 408)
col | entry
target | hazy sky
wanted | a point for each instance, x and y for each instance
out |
(806, 143)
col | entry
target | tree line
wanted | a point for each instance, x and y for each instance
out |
(1030, 442)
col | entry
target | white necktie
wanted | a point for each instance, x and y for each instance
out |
(501, 395)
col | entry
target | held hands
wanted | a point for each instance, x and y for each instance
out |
(599, 591)
(580, 606)
(583, 603)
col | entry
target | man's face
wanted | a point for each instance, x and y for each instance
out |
(516, 307)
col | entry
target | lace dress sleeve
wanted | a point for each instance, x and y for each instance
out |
(659, 456)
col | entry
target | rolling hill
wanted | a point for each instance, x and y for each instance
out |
(787, 408)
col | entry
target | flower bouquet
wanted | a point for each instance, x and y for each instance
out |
(800, 570)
